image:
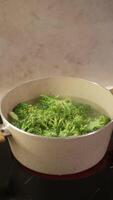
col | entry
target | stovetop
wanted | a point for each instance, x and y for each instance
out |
(18, 183)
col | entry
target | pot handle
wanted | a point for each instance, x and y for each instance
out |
(4, 133)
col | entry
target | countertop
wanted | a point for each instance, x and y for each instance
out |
(55, 37)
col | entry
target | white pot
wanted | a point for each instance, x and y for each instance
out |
(58, 156)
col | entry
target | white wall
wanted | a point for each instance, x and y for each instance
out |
(54, 37)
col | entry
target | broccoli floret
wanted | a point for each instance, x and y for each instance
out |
(22, 110)
(54, 116)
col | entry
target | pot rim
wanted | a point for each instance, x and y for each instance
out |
(52, 137)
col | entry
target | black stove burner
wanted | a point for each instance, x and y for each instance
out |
(19, 183)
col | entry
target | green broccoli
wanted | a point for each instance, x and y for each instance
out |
(57, 117)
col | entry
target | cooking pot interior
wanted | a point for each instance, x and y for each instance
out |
(62, 86)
